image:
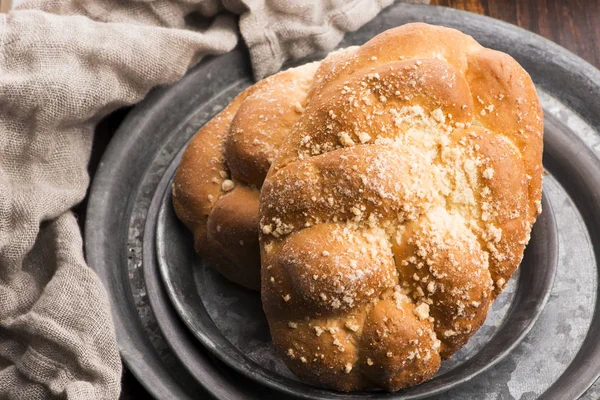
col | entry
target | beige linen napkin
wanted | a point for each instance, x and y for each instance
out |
(64, 64)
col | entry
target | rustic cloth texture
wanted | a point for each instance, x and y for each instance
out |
(64, 64)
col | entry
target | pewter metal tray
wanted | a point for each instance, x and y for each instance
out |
(558, 359)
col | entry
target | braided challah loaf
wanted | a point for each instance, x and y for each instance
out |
(216, 187)
(398, 207)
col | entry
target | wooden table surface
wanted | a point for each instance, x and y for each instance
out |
(574, 24)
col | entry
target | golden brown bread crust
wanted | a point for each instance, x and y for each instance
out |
(216, 187)
(398, 207)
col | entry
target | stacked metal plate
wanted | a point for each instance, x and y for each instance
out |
(186, 332)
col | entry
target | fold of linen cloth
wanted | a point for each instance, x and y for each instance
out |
(64, 64)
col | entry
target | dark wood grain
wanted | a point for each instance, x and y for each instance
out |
(573, 24)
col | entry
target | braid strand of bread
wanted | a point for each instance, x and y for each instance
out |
(216, 186)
